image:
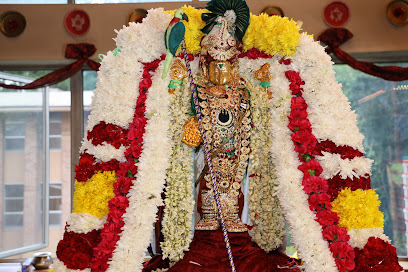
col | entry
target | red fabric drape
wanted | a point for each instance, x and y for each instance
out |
(335, 37)
(81, 52)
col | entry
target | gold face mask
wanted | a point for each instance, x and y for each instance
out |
(220, 72)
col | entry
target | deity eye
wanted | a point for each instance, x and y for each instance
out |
(224, 117)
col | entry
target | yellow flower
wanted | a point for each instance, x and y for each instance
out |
(358, 209)
(270, 34)
(93, 195)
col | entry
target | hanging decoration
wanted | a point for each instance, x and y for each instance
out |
(12, 23)
(336, 14)
(397, 12)
(273, 10)
(77, 22)
(137, 15)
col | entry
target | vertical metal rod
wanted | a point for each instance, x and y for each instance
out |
(46, 161)
(208, 158)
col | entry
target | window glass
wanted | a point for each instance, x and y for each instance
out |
(13, 206)
(382, 112)
(22, 168)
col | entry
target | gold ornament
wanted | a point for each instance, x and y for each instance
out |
(219, 72)
(264, 76)
(191, 132)
(178, 72)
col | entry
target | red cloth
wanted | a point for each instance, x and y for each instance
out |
(334, 37)
(81, 52)
(208, 250)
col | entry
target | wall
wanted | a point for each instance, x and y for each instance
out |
(44, 38)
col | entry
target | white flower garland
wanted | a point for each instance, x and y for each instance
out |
(312, 249)
(179, 202)
(359, 237)
(104, 152)
(150, 32)
(84, 222)
(145, 194)
(333, 165)
(329, 110)
(118, 77)
(265, 212)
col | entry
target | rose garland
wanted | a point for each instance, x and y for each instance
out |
(315, 186)
(179, 202)
(268, 225)
(127, 170)
(145, 194)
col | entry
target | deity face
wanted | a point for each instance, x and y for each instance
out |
(219, 43)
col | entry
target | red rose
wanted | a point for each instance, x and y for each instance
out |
(122, 185)
(335, 233)
(300, 125)
(285, 61)
(314, 184)
(309, 167)
(327, 217)
(298, 103)
(320, 201)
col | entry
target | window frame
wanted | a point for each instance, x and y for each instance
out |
(45, 169)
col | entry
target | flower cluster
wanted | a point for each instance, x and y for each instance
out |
(265, 212)
(109, 133)
(127, 170)
(75, 250)
(358, 209)
(315, 186)
(88, 166)
(377, 256)
(92, 196)
(346, 152)
(336, 184)
(272, 35)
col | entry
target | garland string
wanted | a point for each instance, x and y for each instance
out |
(208, 158)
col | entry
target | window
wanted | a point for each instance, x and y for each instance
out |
(55, 203)
(55, 131)
(14, 134)
(382, 112)
(13, 206)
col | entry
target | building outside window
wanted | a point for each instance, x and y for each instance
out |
(13, 215)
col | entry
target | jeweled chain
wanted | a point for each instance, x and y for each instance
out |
(208, 158)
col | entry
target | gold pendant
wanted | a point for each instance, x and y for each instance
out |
(191, 132)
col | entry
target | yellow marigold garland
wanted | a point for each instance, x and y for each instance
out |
(270, 34)
(358, 209)
(93, 195)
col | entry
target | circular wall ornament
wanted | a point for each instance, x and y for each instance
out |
(12, 23)
(77, 22)
(273, 10)
(137, 15)
(336, 14)
(397, 12)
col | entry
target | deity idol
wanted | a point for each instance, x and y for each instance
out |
(258, 103)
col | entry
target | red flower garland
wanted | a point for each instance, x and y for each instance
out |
(76, 249)
(126, 172)
(346, 152)
(377, 256)
(110, 133)
(316, 187)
